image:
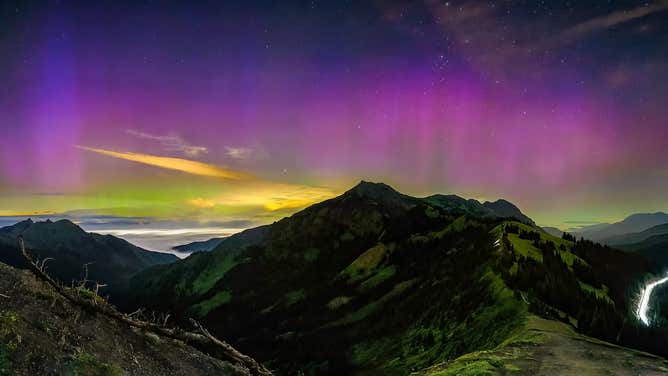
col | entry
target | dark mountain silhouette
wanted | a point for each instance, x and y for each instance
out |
(654, 248)
(497, 209)
(505, 209)
(633, 223)
(455, 204)
(377, 282)
(201, 246)
(110, 260)
(637, 237)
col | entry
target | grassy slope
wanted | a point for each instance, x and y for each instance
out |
(545, 347)
(372, 306)
(525, 247)
(42, 333)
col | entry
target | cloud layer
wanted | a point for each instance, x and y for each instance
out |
(172, 143)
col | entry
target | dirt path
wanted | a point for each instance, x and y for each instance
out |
(564, 352)
(548, 348)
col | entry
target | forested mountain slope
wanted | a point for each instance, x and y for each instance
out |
(377, 282)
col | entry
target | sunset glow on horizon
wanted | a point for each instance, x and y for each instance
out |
(234, 111)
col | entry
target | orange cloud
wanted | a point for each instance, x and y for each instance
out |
(202, 202)
(271, 196)
(178, 164)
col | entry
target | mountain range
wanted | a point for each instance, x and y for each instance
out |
(651, 243)
(608, 233)
(370, 282)
(644, 234)
(108, 259)
(637, 237)
(378, 282)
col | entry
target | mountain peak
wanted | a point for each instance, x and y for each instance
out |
(505, 208)
(66, 223)
(639, 217)
(17, 227)
(373, 190)
(24, 223)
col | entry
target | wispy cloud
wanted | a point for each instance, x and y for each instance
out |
(609, 20)
(172, 143)
(498, 47)
(250, 191)
(178, 164)
(243, 153)
(583, 222)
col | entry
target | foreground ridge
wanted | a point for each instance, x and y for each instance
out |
(204, 341)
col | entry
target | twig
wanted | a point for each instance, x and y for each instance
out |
(42, 265)
(201, 341)
(5, 296)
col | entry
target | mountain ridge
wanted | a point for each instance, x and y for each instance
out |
(398, 283)
(110, 260)
(633, 223)
(636, 237)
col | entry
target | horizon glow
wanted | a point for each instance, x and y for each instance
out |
(172, 232)
(226, 110)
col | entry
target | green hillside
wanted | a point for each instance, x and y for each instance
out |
(546, 347)
(376, 282)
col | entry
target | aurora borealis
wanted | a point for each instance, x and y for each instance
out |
(221, 112)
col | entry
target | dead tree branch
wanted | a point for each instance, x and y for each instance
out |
(84, 280)
(239, 357)
(41, 264)
(204, 341)
(5, 296)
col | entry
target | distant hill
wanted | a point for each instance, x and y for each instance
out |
(654, 248)
(651, 243)
(378, 282)
(631, 224)
(553, 231)
(637, 237)
(201, 246)
(111, 260)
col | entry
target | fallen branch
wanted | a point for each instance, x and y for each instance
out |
(204, 341)
(5, 296)
(241, 358)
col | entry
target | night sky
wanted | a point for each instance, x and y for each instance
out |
(231, 114)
